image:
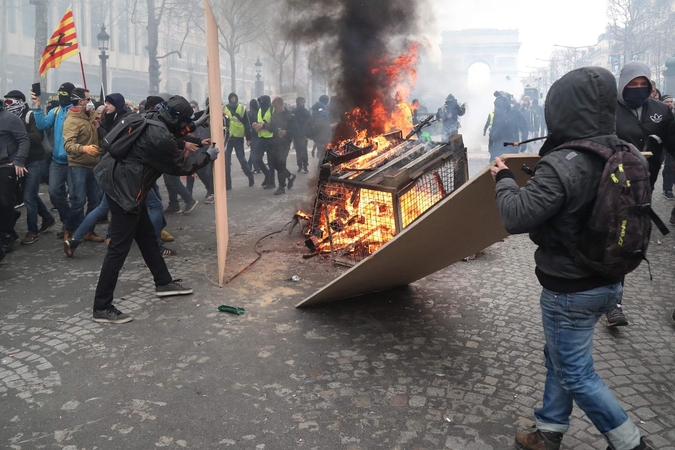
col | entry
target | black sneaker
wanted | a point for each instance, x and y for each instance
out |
(291, 180)
(46, 225)
(616, 318)
(166, 251)
(209, 199)
(69, 247)
(111, 315)
(173, 288)
(251, 180)
(29, 238)
(669, 195)
(2, 253)
(280, 191)
(173, 210)
(189, 207)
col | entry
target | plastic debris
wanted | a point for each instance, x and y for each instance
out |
(295, 278)
(231, 309)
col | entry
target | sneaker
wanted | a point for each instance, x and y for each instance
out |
(92, 237)
(69, 247)
(189, 207)
(299, 169)
(305, 170)
(60, 234)
(641, 446)
(251, 181)
(270, 186)
(209, 199)
(669, 195)
(29, 238)
(173, 210)
(46, 225)
(538, 440)
(173, 288)
(280, 191)
(111, 315)
(19, 205)
(166, 251)
(166, 237)
(616, 317)
(291, 180)
(2, 253)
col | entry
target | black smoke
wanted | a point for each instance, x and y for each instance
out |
(355, 41)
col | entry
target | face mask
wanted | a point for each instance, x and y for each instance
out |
(636, 97)
(16, 107)
(64, 100)
(90, 106)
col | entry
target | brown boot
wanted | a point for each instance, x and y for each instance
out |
(92, 237)
(539, 440)
(67, 235)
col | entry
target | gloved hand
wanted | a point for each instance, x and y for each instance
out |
(213, 153)
(91, 150)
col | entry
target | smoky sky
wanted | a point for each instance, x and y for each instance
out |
(352, 39)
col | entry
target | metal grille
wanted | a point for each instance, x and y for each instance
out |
(429, 189)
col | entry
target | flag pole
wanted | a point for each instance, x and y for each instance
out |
(84, 79)
(217, 137)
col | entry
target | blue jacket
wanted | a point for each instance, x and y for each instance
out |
(54, 119)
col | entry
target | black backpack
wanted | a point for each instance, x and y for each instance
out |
(615, 239)
(123, 135)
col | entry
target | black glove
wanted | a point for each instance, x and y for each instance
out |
(213, 153)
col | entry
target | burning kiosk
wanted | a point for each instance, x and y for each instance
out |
(370, 191)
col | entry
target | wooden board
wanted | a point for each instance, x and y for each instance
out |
(462, 224)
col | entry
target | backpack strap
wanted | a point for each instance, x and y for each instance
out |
(157, 123)
(27, 118)
(658, 222)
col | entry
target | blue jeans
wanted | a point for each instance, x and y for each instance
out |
(569, 322)
(59, 175)
(90, 221)
(154, 203)
(31, 197)
(83, 189)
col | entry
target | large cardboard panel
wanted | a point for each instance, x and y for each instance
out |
(462, 224)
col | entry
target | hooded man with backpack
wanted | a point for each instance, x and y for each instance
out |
(563, 208)
(126, 175)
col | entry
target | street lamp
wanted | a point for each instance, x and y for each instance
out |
(103, 41)
(259, 84)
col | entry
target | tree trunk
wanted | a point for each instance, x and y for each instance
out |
(233, 71)
(153, 43)
(295, 63)
(281, 77)
(41, 38)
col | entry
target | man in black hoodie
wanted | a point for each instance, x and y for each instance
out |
(646, 123)
(15, 102)
(554, 207)
(302, 117)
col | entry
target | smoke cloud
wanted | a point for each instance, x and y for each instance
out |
(368, 47)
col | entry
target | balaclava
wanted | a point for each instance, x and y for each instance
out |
(65, 90)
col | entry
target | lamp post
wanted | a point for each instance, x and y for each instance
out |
(259, 84)
(103, 41)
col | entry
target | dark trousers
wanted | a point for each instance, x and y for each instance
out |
(654, 168)
(265, 146)
(175, 187)
(34, 205)
(126, 227)
(301, 152)
(8, 217)
(668, 175)
(277, 160)
(236, 144)
(205, 174)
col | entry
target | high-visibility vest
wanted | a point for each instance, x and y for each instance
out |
(267, 118)
(236, 126)
(492, 119)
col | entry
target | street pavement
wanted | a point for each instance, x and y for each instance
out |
(454, 361)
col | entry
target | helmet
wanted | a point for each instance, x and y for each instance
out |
(180, 108)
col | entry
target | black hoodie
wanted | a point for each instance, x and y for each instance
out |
(556, 203)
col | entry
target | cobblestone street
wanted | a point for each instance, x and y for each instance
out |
(454, 361)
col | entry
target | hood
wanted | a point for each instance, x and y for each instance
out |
(631, 71)
(253, 105)
(580, 105)
(117, 100)
(236, 98)
(265, 101)
(502, 104)
(173, 124)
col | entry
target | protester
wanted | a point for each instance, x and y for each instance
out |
(265, 145)
(255, 163)
(449, 116)
(503, 124)
(638, 118)
(240, 128)
(402, 115)
(582, 105)
(319, 127)
(530, 121)
(15, 102)
(58, 169)
(283, 127)
(14, 151)
(302, 118)
(668, 161)
(127, 183)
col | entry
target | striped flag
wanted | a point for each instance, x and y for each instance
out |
(61, 46)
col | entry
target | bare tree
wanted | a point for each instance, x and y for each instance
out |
(274, 42)
(239, 23)
(631, 24)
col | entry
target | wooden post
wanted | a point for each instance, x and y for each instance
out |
(217, 137)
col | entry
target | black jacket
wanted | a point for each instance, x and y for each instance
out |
(155, 152)
(302, 118)
(557, 202)
(37, 151)
(14, 142)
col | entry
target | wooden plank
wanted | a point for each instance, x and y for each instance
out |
(217, 138)
(462, 224)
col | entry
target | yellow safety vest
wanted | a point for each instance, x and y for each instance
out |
(236, 126)
(492, 118)
(263, 120)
